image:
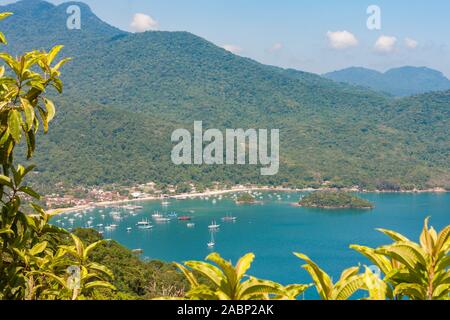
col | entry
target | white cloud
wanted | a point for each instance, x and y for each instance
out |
(341, 39)
(385, 44)
(411, 43)
(276, 47)
(142, 22)
(232, 48)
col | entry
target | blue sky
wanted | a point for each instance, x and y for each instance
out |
(310, 35)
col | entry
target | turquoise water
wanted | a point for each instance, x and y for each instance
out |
(272, 230)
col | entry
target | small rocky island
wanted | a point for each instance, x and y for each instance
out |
(334, 200)
(246, 198)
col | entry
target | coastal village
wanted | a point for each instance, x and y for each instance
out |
(85, 196)
(106, 195)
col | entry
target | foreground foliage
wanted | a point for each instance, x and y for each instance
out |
(419, 271)
(228, 282)
(33, 264)
(413, 271)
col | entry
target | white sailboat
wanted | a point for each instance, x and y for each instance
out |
(143, 223)
(211, 242)
(213, 225)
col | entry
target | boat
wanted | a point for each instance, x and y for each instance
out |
(184, 218)
(100, 225)
(162, 219)
(229, 218)
(190, 225)
(165, 203)
(172, 215)
(143, 223)
(211, 242)
(213, 225)
(129, 229)
(146, 227)
(156, 214)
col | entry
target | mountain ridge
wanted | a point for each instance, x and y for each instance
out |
(125, 93)
(400, 81)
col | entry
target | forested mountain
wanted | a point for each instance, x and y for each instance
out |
(404, 81)
(126, 92)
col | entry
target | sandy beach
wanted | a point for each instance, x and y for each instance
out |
(225, 191)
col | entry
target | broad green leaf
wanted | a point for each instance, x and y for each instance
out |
(323, 282)
(14, 125)
(211, 272)
(53, 53)
(188, 274)
(244, 264)
(38, 248)
(50, 109)
(6, 231)
(30, 192)
(29, 113)
(44, 118)
(5, 15)
(6, 181)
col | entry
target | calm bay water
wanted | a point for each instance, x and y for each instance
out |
(272, 230)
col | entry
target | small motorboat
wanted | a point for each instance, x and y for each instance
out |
(184, 218)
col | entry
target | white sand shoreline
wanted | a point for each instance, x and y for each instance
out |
(225, 191)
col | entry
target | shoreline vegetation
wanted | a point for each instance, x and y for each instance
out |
(235, 189)
(334, 200)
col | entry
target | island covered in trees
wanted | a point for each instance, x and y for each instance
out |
(334, 200)
(246, 198)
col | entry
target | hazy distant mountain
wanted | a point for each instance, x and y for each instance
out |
(126, 92)
(403, 81)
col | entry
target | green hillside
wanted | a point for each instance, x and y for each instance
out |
(125, 93)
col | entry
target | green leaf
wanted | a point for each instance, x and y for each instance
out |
(38, 248)
(3, 38)
(53, 53)
(31, 143)
(57, 83)
(5, 15)
(30, 192)
(29, 113)
(43, 114)
(14, 125)
(6, 231)
(6, 181)
(99, 284)
(50, 109)
(60, 64)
